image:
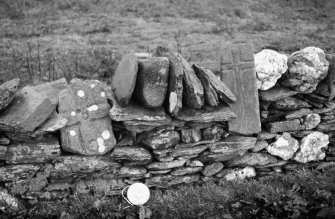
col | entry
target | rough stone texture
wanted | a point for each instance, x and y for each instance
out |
(298, 113)
(312, 147)
(237, 174)
(159, 140)
(89, 130)
(270, 65)
(180, 152)
(215, 133)
(196, 163)
(28, 111)
(190, 135)
(7, 92)
(165, 165)
(18, 172)
(208, 79)
(253, 159)
(4, 140)
(284, 147)
(232, 144)
(212, 169)
(152, 81)
(325, 126)
(238, 73)
(306, 68)
(285, 126)
(185, 170)
(164, 181)
(290, 103)
(312, 120)
(276, 93)
(193, 91)
(52, 124)
(51, 90)
(190, 145)
(260, 145)
(9, 203)
(209, 114)
(132, 153)
(41, 151)
(130, 171)
(124, 78)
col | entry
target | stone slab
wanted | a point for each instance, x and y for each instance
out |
(7, 92)
(206, 115)
(51, 90)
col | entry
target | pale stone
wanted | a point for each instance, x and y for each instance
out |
(284, 147)
(312, 120)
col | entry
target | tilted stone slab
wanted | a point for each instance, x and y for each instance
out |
(89, 130)
(290, 103)
(209, 114)
(7, 92)
(132, 153)
(14, 173)
(52, 124)
(51, 90)
(238, 73)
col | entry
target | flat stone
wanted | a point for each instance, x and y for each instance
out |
(301, 134)
(290, 103)
(190, 135)
(213, 114)
(312, 147)
(180, 152)
(260, 145)
(54, 123)
(208, 78)
(237, 174)
(284, 147)
(89, 129)
(165, 181)
(253, 159)
(9, 203)
(312, 120)
(166, 165)
(233, 144)
(156, 172)
(276, 93)
(7, 92)
(193, 91)
(185, 170)
(264, 135)
(124, 78)
(130, 171)
(131, 153)
(212, 169)
(238, 73)
(152, 81)
(199, 125)
(51, 90)
(214, 133)
(270, 65)
(159, 140)
(296, 114)
(190, 145)
(306, 68)
(14, 173)
(285, 126)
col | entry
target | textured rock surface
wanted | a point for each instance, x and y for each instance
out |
(238, 73)
(185, 170)
(164, 181)
(298, 113)
(285, 126)
(253, 159)
(276, 93)
(306, 68)
(213, 133)
(270, 65)
(190, 135)
(9, 203)
(159, 140)
(290, 103)
(132, 153)
(330, 79)
(7, 92)
(312, 147)
(152, 81)
(166, 165)
(89, 130)
(18, 172)
(212, 169)
(51, 90)
(237, 174)
(312, 120)
(4, 140)
(214, 114)
(284, 147)
(260, 145)
(180, 152)
(124, 78)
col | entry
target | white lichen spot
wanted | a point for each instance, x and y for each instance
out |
(73, 113)
(103, 94)
(73, 133)
(80, 93)
(92, 108)
(106, 135)
(101, 146)
(92, 85)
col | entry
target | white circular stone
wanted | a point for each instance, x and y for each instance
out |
(80, 93)
(103, 94)
(92, 85)
(93, 108)
(73, 133)
(101, 146)
(106, 135)
(73, 113)
(138, 194)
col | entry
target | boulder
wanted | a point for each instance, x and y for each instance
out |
(190, 135)
(237, 174)
(214, 133)
(89, 130)
(152, 81)
(270, 65)
(276, 93)
(306, 68)
(312, 147)
(185, 170)
(124, 78)
(253, 159)
(7, 92)
(290, 103)
(284, 147)
(51, 90)
(159, 140)
(312, 120)
(131, 153)
(212, 169)
(166, 165)
(209, 114)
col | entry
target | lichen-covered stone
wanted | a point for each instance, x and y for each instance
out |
(212, 169)
(131, 153)
(270, 65)
(190, 135)
(7, 92)
(284, 147)
(312, 120)
(237, 174)
(159, 140)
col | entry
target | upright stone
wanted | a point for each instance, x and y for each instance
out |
(124, 79)
(238, 73)
(175, 93)
(7, 92)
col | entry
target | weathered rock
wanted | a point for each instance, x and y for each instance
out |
(159, 140)
(89, 130)
(190, 135)
(214, 114)
(296, 114)
(212, 169)
(266, 135)
(290, 103)
(155, 172)
(233, 144)
(99, 186)
(166, 165)
(28, 111)
(185, 170)
(145, 126)
(190, 145)
(260, 145)
(312, 147)
(124, 78)
(284, 147)
(276, 93)
(253, 159)
(214, 133)
(130, 171)
(9, 203)
(285, 126)
(237, 174)
(131, 153)
(199, 125)
(238, 73)
(306, 68)
(7, 92)
(195, 163)
(4, 140)
(270, 65)
(17, 172)
(52, 124)
(312, 120)
(152, 81)
(180, 152)
(51, 90)
(325, 126)
(193, 91)
(164, 181)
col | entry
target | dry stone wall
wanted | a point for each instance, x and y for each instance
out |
(165, 122)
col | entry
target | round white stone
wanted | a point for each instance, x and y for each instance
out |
(80, 93)
(106, 135)
(101, 146)
(73, 113)
(73, 133)
(103, 94)
(92, 85)
(93, 108)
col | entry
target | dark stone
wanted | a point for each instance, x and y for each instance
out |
(165, 181)
(132, 154)
(324, 126)
(290, 103)
(212, 169)
(51, 90)
(239, 74)
(190, 145)
(190, 135)
(185, 170)
(166, 165)
(3, 153)
(159, 140)
(298, 113)
(89, 130)
(126, 141)
(209, 114)
(199, 125)
(253, 159)
(330, 79)
(14, 173)
(124, 78)
(152, 81)
(7, 92)
(276, 93)
(285, 126)
(215, 133)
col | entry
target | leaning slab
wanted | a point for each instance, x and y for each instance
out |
(52, 89)
(7, 92)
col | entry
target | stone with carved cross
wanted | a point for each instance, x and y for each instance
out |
(89, 130)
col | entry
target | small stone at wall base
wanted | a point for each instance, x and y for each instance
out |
(284, 147)
(212, 169)
(237, 174)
